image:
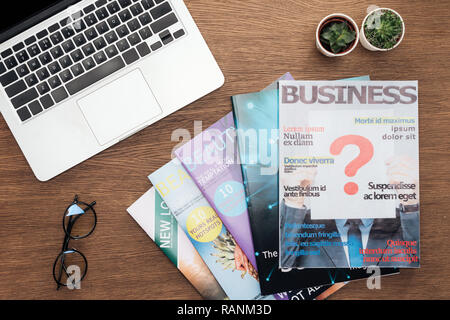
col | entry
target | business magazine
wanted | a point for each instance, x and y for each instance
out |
(256, 116)
(349, 174)
(153, 215)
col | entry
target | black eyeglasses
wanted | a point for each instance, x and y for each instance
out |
(79, 222)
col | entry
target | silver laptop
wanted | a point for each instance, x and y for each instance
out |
(76, 77)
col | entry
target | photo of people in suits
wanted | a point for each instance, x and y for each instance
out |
(352, 243)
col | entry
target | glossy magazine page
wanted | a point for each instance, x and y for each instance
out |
(154, 217)
(349, 174)
(206, 231)
(256, 115)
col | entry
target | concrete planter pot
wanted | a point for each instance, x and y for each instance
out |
(366, 44)
(336, 17)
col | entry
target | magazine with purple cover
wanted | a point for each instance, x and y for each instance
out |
(211, 160)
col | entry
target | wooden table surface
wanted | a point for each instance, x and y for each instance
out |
(254, 42)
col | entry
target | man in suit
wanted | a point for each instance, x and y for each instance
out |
(352, 243)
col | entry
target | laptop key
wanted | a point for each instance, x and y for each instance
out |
(102, 27)
(100, 57)
(123, 45)
(65, 62)
(111, 51)
(53, 27)
(22, 70)
(59, 94)
(42, 34)
(66, 75)
(54, 67)
(79, 40)
(34, 64)
(31, 80)
(166, 37)
(133, 25)
(88, 49)
(178, 33)
(8, 78)
(91, 34)
(11, 62)
(46, 101)
(68, 32)
(136, 9)
(16, 88)
(147, 4)
(88, 63)
(145, 19)
(77, 55)
(111, 37)
(77, 69)
(113, 7)
(79, 25)
(45, 44)
(45, 58)
(18, 46)
(95, 75)
(143, 49)
(43, 88)
(130, 56)
(164, 23)
(134, 39)
(30, 40)
(24, 114)
(35, 107)
(122, 31)
(6, 53)
(24, 98)
(102, 13)
(99, 43)
(124, 3)
(125, 15)
(43, 74)
(57, 52)
(68, 46)
(145, 33)
(100, 3)
(113, 21)
(156, 46)
(90, 19)
(56, 38)
(89, 9)
(54, 82)
(22, 56)
(160, 10)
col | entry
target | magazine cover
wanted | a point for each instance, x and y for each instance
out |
(211, 239)
(153, 215)
(212, 161)
(256, 117)
(349, 174)
(155, 218)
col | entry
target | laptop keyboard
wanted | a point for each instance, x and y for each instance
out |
(60, 61)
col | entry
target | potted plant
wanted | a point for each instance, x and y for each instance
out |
(382, 30)
(337, 35)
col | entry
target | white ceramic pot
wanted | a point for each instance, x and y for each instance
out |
(366, 44)
(319, 45)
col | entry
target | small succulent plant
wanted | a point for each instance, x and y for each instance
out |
(337, 36)
(383, 29)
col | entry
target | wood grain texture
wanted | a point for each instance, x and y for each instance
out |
(254, 42)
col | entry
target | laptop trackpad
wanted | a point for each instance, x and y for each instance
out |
(119, 107)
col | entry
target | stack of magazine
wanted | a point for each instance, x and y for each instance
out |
(305, 186)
